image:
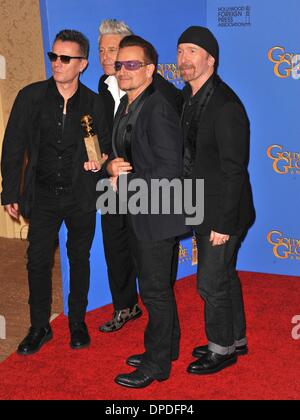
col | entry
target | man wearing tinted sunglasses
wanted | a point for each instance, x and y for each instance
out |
(121, 271)
(120, 265)
(147, 144)
(45, 125)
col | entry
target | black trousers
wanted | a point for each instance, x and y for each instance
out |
(220, 287)
(121, 268)
(157, 263)
(49, 211)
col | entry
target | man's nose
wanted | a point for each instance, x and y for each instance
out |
(182, 58)
(104, 55)
(57, 62)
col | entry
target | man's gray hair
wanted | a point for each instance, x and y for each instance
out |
(114, 27)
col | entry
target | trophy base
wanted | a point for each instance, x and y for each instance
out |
(93, 149)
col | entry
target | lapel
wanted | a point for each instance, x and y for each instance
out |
(116, 124)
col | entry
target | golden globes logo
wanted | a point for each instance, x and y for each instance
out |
(284, 162)
(285, 64)
(171, 73)
(284, 247)
(184, 255)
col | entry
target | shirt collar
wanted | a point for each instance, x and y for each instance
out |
(133, 106)
(113, 87)
(55, 92)
(198, 97)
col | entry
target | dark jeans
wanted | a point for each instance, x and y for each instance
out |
(220, 287)
(49, 212)
(156, 263)
(119, 259)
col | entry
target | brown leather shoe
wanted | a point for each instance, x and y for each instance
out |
(120, 318)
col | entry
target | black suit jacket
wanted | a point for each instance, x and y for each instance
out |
(156, 150)
(222, 155)
(168, 90)
(22, 138)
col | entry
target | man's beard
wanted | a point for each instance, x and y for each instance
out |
(187, 75)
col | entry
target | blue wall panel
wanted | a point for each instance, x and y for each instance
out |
(246, 35)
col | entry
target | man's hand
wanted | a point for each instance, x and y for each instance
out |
(114, 183)
(94, 165)
(118, 166)
(13, 210)
(218, 239)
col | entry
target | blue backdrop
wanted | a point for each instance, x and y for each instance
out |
(259, 60)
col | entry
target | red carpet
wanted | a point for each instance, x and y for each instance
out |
(270, 371)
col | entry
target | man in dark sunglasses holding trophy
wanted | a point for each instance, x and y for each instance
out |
(45, 125)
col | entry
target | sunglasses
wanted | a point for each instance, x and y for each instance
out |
(130, 65)
(65, 59)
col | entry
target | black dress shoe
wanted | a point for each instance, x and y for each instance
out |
(80, 338)
(34, 341)
(120, 318)
(203, 350)
(136, 379)
(212, 363)
(137, 360)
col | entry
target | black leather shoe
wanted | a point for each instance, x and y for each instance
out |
(80, 338)
(212, 363)
(137, 360)
(136, 379)
(120, 318)
(34, 341)
(203, 350)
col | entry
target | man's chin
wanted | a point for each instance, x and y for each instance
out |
(58, 78)
(124, 86)
(187, 77)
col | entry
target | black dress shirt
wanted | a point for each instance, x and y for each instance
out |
(57, 138)
(191, 116)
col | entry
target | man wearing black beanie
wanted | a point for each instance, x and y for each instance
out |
(216, 133)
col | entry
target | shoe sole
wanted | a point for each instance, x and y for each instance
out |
(138, 387)
(118, 329)
(45, 341)
(224, 365)
(198, 355)
(132, 386)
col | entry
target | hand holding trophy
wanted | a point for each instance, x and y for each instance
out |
(96, 158)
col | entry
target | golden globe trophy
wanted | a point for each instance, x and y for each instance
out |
(91, 140)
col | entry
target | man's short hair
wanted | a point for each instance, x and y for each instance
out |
(113, 27)
(151, 55)
(75, 36)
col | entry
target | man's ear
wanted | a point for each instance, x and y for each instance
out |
(150, 70)
(211, 61)
(84, 65)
